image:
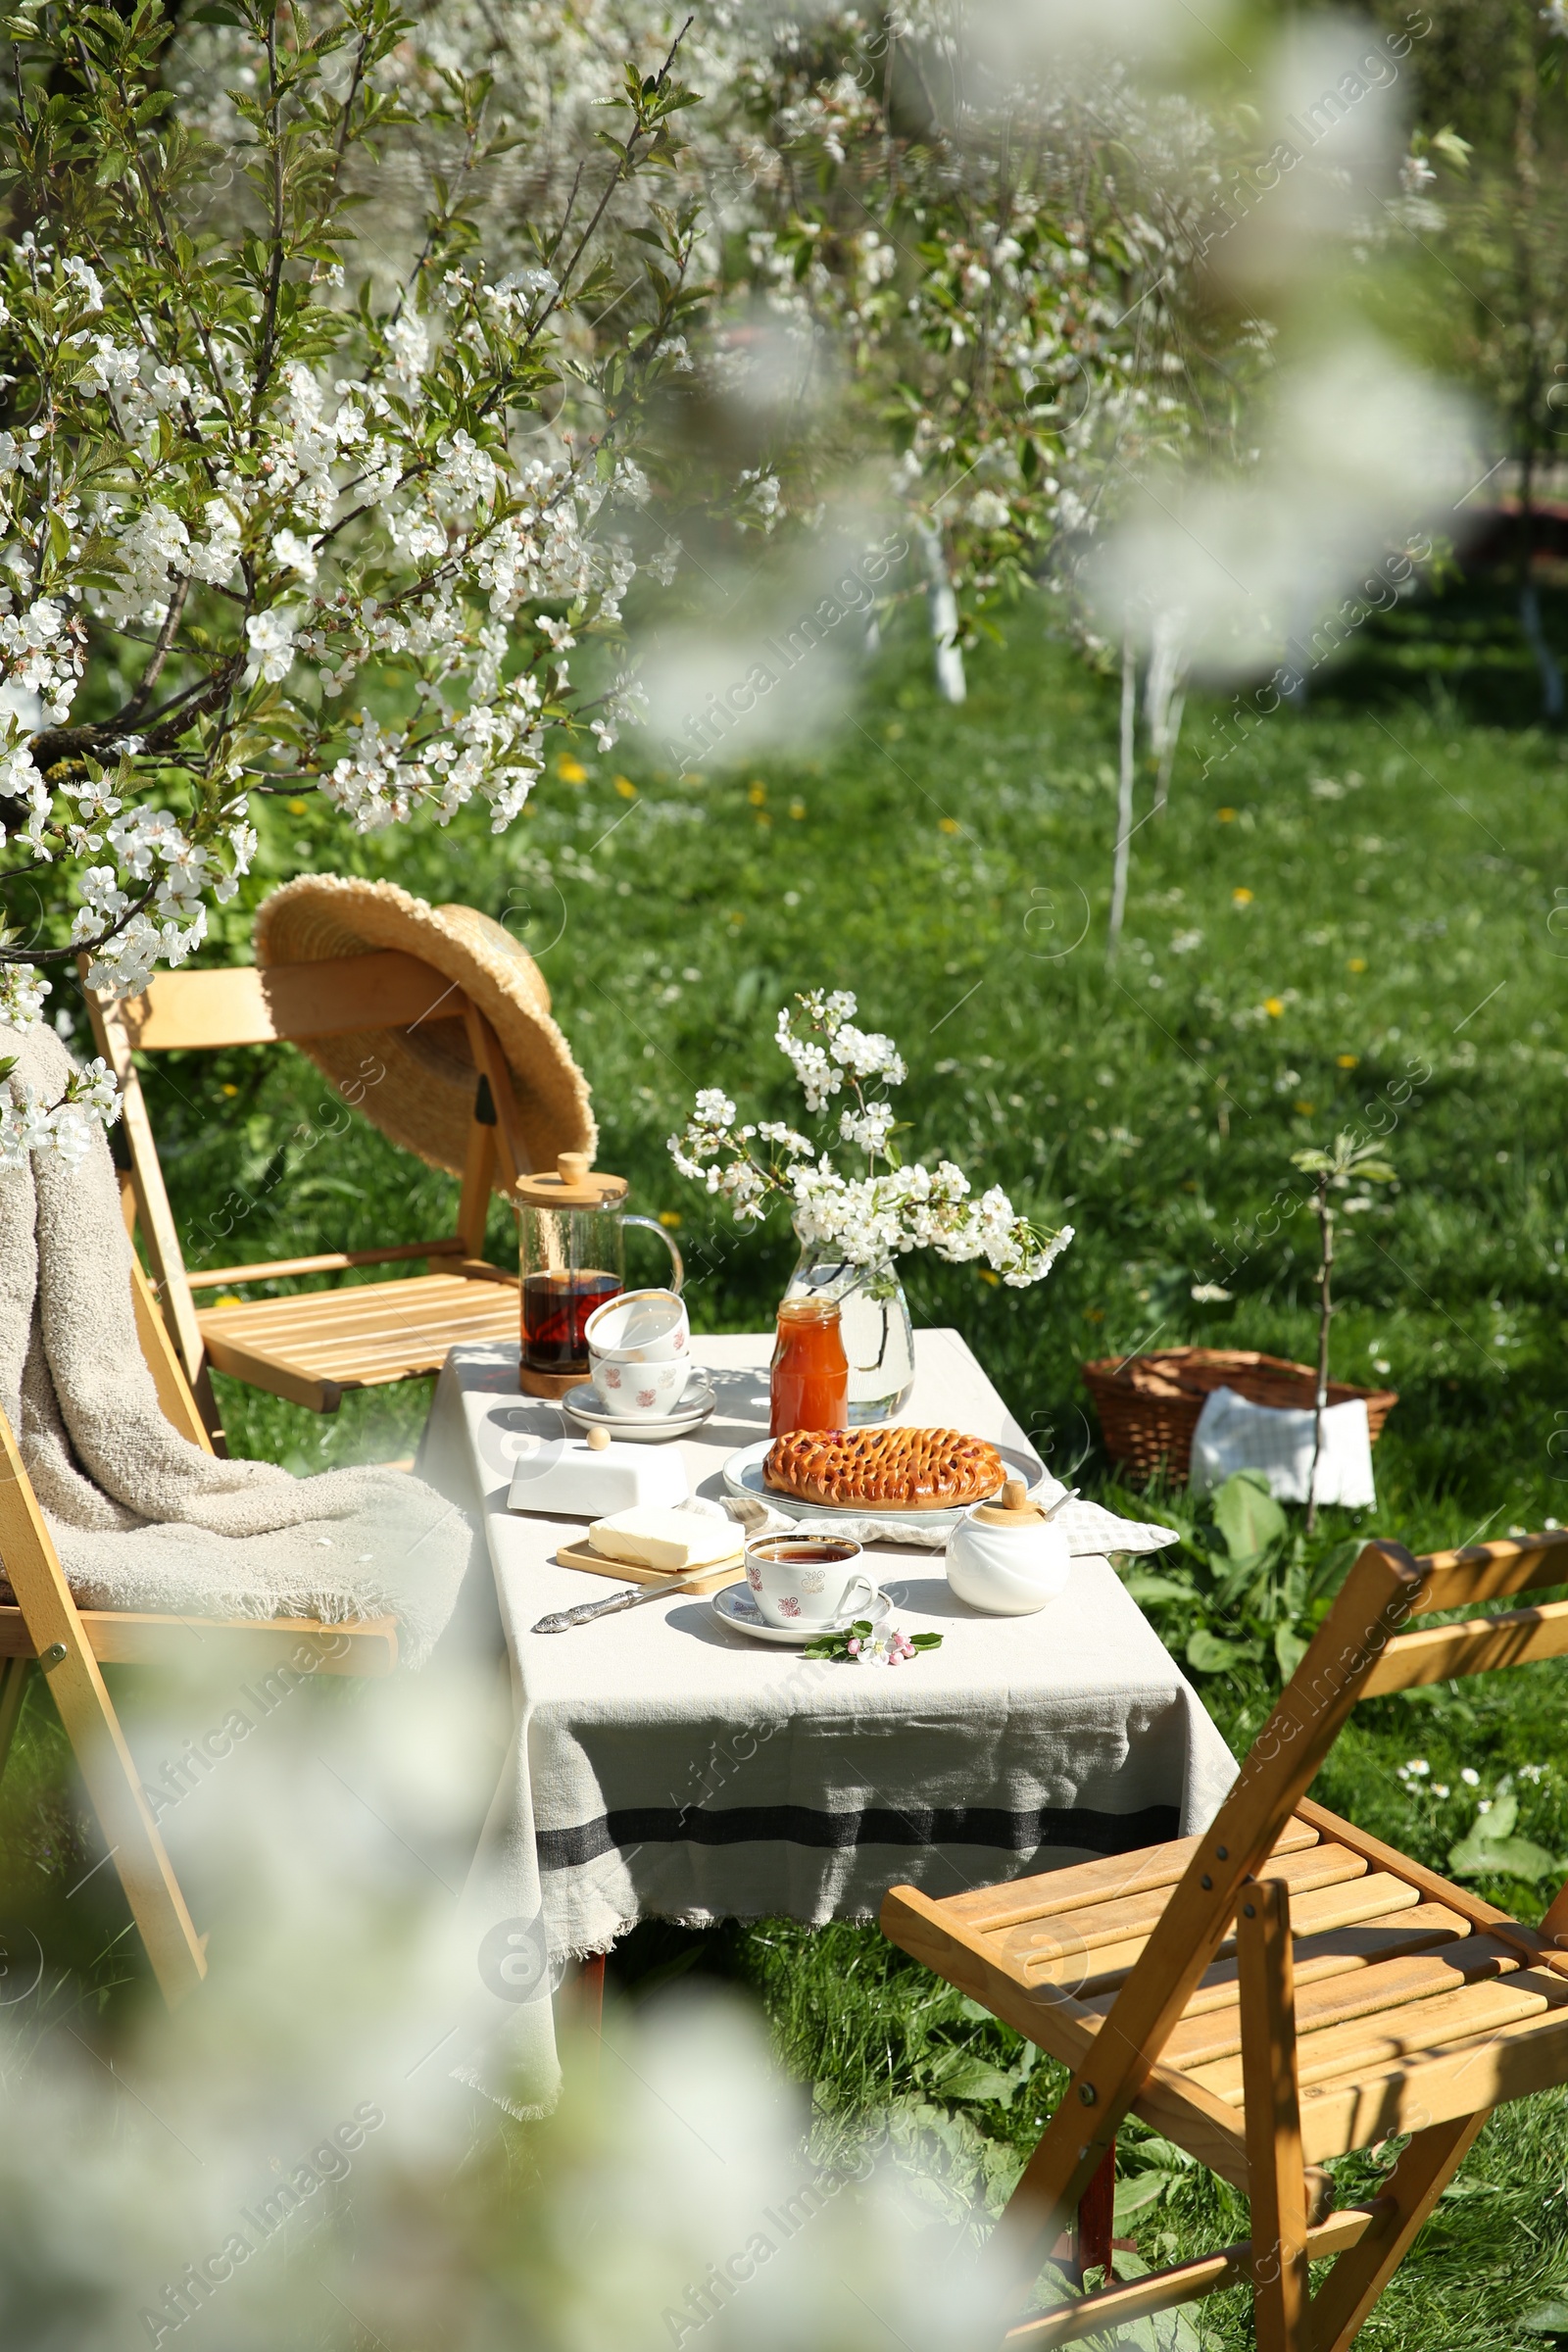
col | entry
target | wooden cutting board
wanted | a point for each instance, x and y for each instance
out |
(625, 1572)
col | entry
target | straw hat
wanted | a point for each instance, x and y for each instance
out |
(425, 1100)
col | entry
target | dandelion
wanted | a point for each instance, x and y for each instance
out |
(1241, 897)
(1274, 1007)
(1355, 963)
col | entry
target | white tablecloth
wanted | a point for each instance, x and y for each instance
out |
(665, 1766)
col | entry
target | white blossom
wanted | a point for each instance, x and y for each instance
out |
(271, 643)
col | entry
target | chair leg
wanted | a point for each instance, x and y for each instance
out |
(1096, 2209)
(12, 1690)
(1349, 2292)
(1087, 2245)
(1280, 2283)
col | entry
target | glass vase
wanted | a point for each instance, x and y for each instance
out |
(874, 1319)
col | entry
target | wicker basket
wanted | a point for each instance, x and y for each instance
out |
(1150, 1404)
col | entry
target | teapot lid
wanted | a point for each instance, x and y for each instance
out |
(1012, 1508)
(571, 1184)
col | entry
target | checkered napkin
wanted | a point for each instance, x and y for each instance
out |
(1090, 1531)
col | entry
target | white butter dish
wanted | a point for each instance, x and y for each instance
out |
(569, 1479)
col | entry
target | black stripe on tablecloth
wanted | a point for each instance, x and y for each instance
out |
(876, 1825)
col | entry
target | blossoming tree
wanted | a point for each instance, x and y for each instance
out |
(275, 516)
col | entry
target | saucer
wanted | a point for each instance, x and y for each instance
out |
(696, 1406)
(734, 1606)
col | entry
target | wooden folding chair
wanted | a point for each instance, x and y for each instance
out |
(1280, 1990)
(72, 1645)
(311, 1347)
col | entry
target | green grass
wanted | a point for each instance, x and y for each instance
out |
(1394, 963)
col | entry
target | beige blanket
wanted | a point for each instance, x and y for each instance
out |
(142, 1518)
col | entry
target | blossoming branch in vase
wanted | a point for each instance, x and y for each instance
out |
(871, 1218)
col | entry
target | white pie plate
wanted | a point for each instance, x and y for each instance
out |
(743, 1474)
(696, 1406)
(734, 1606)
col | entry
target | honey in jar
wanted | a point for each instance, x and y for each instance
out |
(811, 1373)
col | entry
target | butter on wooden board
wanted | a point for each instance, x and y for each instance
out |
(673, 1541)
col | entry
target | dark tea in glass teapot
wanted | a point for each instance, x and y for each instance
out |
(571, 1234)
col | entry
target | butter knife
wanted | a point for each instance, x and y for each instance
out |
(561, 1620)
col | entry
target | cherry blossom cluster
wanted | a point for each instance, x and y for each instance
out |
(28, 1124)
(872, 1218)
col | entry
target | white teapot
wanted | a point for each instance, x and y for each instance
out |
(1007, 1558)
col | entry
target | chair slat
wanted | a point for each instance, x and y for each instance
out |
(1115, 1875)
(1513, 1637)
(364, 1338)
(1460, 1580)
(1418, 2029)
(1343, 1950)
(366, 1645)
(1496, 2063)
(1333, 1951)
(331, 1262)
(1322, 1910)
(242, 1004)
(1367, 1992)
(1082, 1931)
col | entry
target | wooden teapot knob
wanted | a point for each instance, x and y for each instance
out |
(1014, 1495)
(572, 1166)
(597, 1440)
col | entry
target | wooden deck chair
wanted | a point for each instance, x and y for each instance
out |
(1280, 1990)
(72, 1645)
(311, 1347)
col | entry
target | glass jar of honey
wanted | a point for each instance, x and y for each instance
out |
(809, 1378)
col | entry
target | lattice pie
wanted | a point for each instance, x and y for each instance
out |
(891, 1469)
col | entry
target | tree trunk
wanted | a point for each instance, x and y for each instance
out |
(1124, 797)
(944, 608)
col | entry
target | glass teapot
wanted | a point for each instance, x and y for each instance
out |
(571, 1233)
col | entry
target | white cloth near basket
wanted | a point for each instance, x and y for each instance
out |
(1234, 1435)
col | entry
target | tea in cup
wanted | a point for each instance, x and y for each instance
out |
(805, 1581)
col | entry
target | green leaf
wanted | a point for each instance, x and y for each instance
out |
(1207, 1654)
(1544, 2318)
(1490, 1849)
(959, 2074)
(1248, 1515)
(1500, 1822)
(1142, 2189)
(1509, 1858)
(1146, 1587)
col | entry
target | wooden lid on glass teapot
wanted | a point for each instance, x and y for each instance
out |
(571, 1184)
